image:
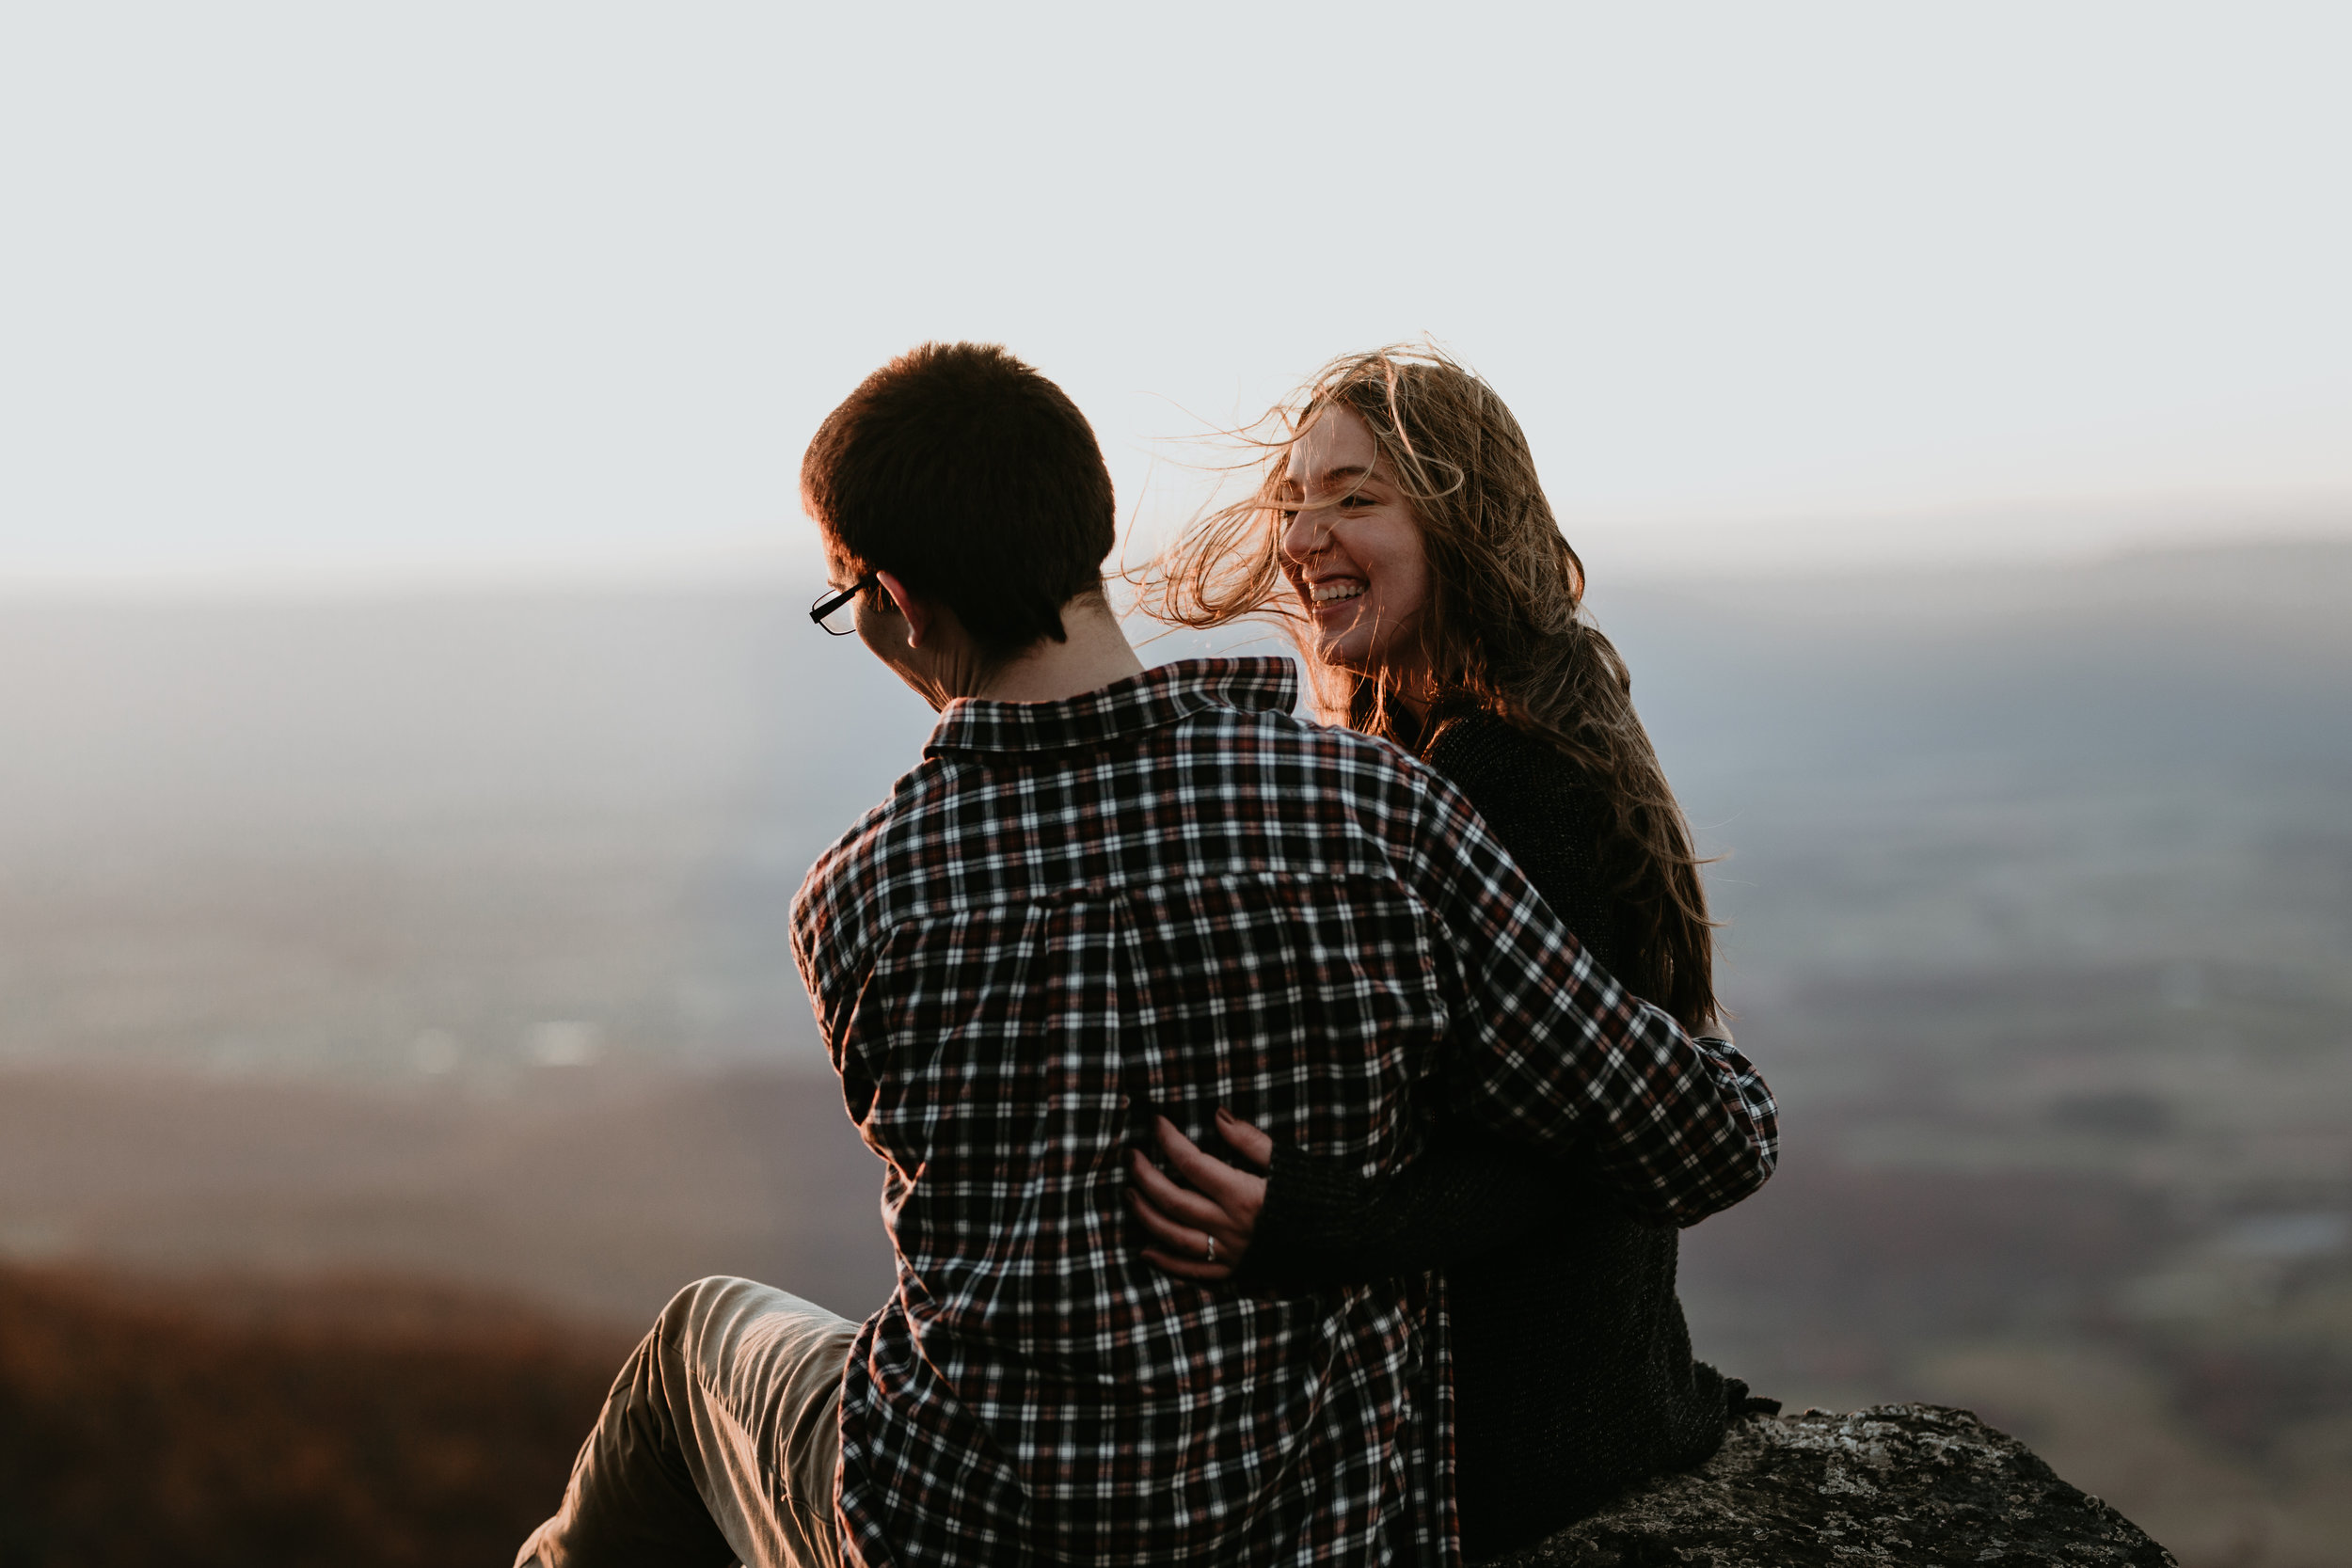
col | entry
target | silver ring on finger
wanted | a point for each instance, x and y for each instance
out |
(1210, 1256)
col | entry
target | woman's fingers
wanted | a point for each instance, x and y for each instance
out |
(1181, 1250)
(1212, 1229)
(1236, 1192)
(1188, 1208)
(1244, 1139)
(1199, 1233)
(1187, 1268)
(1179, 1238)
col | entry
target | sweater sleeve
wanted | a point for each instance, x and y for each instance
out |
(1325, 1223)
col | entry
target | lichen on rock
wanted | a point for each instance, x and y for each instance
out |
(1894, 1485)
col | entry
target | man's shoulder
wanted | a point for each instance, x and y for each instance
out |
(842, 878)
(935, 839)
(1286, 737)
(913, 795)
(1259, 753)
(1295, 769)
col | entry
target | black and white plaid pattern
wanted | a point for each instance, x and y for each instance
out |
(1166, 896)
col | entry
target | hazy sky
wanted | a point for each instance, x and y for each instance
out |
(369, 291)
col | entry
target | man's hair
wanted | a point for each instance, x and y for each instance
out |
(973, 480)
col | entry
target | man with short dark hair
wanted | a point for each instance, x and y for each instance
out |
(975, 479)
(1106, 895)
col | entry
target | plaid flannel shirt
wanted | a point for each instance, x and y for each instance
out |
(1161, 897)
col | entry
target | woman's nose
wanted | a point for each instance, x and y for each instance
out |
(1302, 536)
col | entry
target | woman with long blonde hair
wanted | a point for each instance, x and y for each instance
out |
(1400, 532)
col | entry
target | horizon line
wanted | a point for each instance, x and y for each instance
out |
(1756, 545)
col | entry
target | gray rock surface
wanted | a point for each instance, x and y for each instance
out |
(1895, 1483)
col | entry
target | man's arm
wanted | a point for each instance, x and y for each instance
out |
(1325, 1222)
(1548, 1050)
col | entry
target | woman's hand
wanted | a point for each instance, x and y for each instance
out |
(1204, 1232)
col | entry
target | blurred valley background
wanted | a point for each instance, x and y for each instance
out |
(396, 992)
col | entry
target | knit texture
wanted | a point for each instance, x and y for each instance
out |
(1573, 1376)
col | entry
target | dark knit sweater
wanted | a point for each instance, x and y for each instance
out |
(1572, 1370)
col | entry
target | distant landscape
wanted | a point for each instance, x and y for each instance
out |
(432, 951)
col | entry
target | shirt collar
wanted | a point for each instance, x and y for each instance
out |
(1156, 697)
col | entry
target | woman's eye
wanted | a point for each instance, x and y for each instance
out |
(1289, 513)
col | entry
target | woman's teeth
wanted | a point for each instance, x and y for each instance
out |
(1346, 589)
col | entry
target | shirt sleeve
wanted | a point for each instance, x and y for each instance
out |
(1549, 1050)
(1326, 1223)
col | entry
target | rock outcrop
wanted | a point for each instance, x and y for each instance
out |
(1894, 1485)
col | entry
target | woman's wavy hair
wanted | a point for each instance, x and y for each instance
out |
(1504, 625)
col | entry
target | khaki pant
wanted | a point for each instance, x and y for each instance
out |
(718, 1443)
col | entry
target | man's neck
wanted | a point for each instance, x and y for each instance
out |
(1095, 653)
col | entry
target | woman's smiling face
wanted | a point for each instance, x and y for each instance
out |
(1353, 552)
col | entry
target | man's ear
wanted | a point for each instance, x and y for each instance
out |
(918, 616)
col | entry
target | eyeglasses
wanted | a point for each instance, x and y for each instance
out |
(836, 608)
